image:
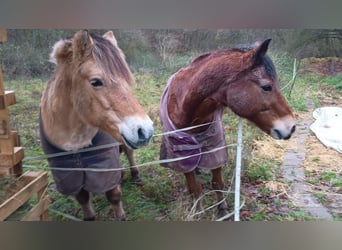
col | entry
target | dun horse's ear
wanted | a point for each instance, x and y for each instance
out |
(260, 51)
(82, 44)
(109, 35)
(61, 52)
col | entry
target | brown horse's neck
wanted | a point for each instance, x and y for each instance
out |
(62, 124)
(194, 97)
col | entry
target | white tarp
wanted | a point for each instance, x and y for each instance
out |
(328, 126)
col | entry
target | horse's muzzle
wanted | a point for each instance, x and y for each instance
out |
(281, 135)
(136, 132)
(143, 139)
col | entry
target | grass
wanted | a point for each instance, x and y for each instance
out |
(164, 196)
(7, 185)
(332, 179)
(322, 198)
(260, 172)
(334, 82)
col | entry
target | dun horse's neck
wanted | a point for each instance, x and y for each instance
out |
(62, 124)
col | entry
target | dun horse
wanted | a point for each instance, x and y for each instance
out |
(244, 80)
(87, 103)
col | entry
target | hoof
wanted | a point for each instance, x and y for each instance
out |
(137, 181)
(89, 219)
(121, 217)
(222, 210)
(118, 213)
(221, 213)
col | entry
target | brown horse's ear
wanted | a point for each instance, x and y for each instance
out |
(82, 44)
(109, 35)
(260, 51)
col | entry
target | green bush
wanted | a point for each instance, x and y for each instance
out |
(26, 53)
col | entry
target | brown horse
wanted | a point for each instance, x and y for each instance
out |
(88, 102)
(244, 80)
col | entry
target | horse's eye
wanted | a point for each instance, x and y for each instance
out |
(96, 83)
(266, 88)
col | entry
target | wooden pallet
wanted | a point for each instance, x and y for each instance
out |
(27, 185)
(11, 155)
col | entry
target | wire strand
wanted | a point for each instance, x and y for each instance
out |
(47, 156)
(137, 165)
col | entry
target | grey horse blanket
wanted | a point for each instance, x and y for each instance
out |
(71, 182)
(182, 144)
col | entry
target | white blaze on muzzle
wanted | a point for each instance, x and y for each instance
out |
(136, 131)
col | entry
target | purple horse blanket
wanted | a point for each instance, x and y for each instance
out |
(182, 144)
(71, 182)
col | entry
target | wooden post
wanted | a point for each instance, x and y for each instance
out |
(3, 35)
(11, 153)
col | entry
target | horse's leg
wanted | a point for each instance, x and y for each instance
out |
(218, 184)
(114, 197)
(83, 198)
(134, 170)
(195, 188)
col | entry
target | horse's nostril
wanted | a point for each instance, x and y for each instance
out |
(293, 129)
(278, 134)
(141, 134)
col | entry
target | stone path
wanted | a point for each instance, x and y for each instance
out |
(293, 173)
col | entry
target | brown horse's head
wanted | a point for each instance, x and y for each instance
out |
(255, 95)
(99, 82)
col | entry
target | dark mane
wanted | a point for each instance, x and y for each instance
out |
(111, 58)
(266, 62)
(200, 58)
(206, 56)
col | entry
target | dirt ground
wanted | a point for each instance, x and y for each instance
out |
(328, 66)
(309, 178)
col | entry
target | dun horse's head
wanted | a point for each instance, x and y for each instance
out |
(100, 91)
(255, 93)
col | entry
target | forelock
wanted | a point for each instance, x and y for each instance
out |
(269, 67)
(110, 58)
